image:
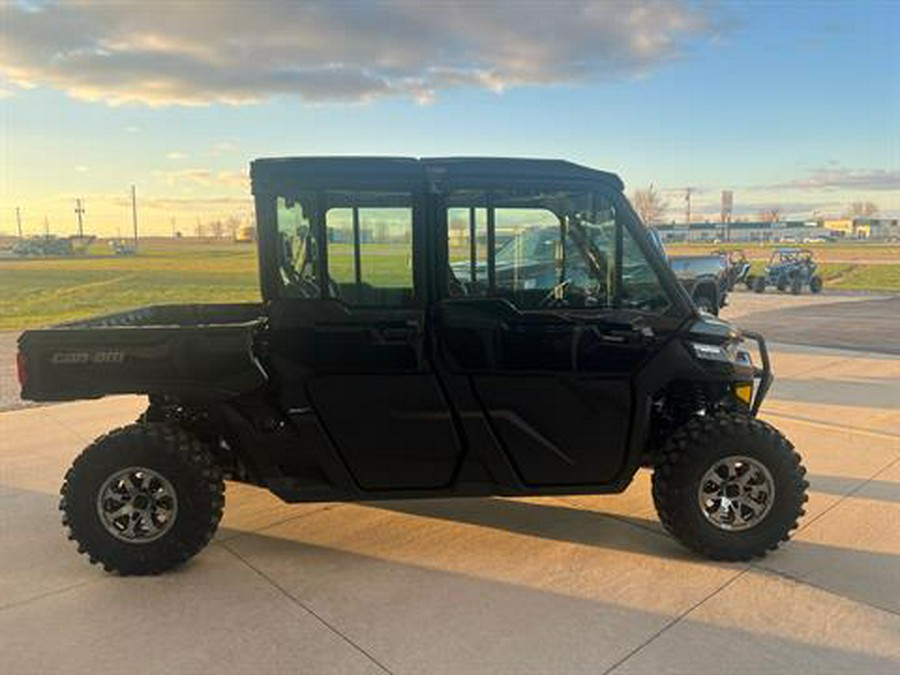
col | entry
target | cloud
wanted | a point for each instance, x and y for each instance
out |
(81, 168)
(208, 178)
(357, 50)
(836, 178)
(176, 155)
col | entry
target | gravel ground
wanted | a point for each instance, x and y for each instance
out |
(9, 382)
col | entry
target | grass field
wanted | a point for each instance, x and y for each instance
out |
(38, 292)
(41, 292)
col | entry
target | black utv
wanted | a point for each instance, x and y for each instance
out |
(406, 347)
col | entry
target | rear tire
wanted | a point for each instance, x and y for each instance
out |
(815, 284)
(143, 498)
(796, 286)
(759, 284)
(782, 284)
(687, 507)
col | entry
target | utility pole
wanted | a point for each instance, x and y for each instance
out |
(134, 216)
(173, 227)
(19, 221)
(79, 211)
(46, 226)
(687, 201)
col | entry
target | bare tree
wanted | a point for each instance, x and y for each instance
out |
(771, 214)
(216, 228)
(649, 205)
(861, 210)
(232, 225)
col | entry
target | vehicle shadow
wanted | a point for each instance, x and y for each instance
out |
(558, 522)
(878, 490)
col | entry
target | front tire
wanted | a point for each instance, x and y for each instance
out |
(729, 487)
(815, 284)
(143, 499)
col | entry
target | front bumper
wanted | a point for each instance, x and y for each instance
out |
(762, 374)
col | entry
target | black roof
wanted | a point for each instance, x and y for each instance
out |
(291, 173)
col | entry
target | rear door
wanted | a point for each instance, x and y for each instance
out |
(353, 334)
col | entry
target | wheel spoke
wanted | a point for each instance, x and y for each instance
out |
(148, 524)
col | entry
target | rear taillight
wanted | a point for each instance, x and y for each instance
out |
(22, 369)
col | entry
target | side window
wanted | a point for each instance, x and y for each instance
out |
(641, 287)
(529, 262)
(467, 250)
(298, 249)
(370, 248)
(550, 250)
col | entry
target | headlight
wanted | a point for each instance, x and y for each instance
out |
(730, 352)
(709, 352)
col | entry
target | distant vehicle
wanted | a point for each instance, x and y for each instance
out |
(789, 269)
(380, 381)
(43, 246)
(705, 277)
(738, 266)
(122, 247)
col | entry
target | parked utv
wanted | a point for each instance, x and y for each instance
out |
(738, 267)
(789, 269)
(403, 351)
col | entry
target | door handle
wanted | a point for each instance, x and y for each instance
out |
(395, 335)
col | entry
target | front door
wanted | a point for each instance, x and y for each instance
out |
(551, 309)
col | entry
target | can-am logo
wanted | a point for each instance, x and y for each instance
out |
(79, 358)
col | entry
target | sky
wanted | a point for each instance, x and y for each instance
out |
(792, 105)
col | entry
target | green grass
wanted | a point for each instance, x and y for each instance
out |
(42, 292)
(870, 278)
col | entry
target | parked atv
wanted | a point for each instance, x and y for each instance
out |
(403, 352)
(789, 269)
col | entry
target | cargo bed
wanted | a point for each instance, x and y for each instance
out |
(202, 351)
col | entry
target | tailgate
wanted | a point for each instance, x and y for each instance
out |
(66, 363)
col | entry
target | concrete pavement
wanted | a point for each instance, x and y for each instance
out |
(562, 585)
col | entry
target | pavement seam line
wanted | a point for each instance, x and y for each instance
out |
(674, 621)
(288, 519)
(306, 609)
(65, 427)
(842, 498)
(50, 594)
(760, 567)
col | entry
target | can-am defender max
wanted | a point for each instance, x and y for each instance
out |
(398, 354)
